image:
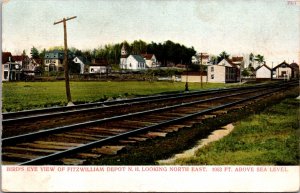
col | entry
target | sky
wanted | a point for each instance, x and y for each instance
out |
(239, 27)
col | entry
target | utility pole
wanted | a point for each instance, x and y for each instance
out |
(65, 61)
(186, 81)
(201, 69)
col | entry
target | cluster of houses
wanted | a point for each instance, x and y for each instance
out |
(227, 70)
(136, 61)
(14, 67)
(281, 71)
(230, 70)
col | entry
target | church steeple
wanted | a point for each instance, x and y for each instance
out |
(123, 50)
(123, 59)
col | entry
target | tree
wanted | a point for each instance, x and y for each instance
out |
(259, 58)
(223, 55)
(24, 53)
(170, 52)
(251, 57)
(34, 53)
(213, 59)
(138, 47)
(245, 73)
(42, 54)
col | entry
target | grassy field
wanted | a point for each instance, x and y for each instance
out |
(268, 138)
(29, 95)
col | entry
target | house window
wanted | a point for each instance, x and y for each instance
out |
(6, 66)
(212, 76)
(5, 75)
(212, 69)
(130, 65)
(52, 67)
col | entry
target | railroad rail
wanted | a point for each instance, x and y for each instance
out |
(53, 111)
(75, 143)
(21, 122)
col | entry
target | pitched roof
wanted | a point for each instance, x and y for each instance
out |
(147, 56)
(228, 61)
(82, 59)
(5, 57)
(54, 54)
(262, 66)
(36, 60)
(283, 64)
(237, 58)
(138, 58)
(19, 57)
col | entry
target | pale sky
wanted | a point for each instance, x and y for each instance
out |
(267, 27)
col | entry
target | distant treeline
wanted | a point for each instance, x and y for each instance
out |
(166, 53)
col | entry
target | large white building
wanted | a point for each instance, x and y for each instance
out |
(223, 72)
(135, 62)
(282, 71)
(131, 62)
(263, 72)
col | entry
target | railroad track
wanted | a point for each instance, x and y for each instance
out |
(73, 144)
(21, 122)
(54, 111)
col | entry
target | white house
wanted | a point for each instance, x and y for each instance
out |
(33, 64)
(11, 71)
(282, 71)
(150, 59)
(82, 62)
(98, 69)
(21, 59)
(135, 62)
(223, 72)
(54, 60)
(263, 72)
(99, 66)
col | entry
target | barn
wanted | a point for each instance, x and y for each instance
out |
(263, 72)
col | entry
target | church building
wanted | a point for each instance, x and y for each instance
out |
(131, 62)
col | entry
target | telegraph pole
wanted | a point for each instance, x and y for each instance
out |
(201, 68)
(186, 81)
(65, 61)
